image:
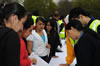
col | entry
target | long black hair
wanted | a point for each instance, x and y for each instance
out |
(51, 24)
(29, 22)
(9, 9)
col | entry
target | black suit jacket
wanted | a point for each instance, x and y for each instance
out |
(87, 50)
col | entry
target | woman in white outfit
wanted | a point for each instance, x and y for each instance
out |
(37, 42)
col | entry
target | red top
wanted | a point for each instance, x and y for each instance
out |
(24, 60)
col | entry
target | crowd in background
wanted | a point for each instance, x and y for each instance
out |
(23, 33)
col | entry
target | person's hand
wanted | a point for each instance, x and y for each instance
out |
(48, 46)
(64, 65)
(33, 60)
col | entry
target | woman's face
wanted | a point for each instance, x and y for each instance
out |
(40, 25)
(17, 24)
(48, 27)
(27, 32)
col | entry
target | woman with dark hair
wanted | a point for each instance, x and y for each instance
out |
(37, 42)
(27, 30)
(87, 47)
(53, 37)
(13, 18)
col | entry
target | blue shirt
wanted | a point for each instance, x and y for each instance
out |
(81, 34)
(43, 37)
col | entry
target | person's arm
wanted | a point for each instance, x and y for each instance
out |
(29, 46)
(48, 46)
(64, 65)
(12, 49)
(24, 60)
(29, 43)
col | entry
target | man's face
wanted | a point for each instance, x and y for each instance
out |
(73, 35)
(82, 19)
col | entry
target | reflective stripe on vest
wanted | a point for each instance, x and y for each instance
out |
(94, 25)
(62, 33)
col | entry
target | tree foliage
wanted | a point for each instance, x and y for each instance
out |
(7, 1)
(45, 7)
(92, 6)
(64, 7)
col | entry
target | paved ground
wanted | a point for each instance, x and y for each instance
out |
(62, 55)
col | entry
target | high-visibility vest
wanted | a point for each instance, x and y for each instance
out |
(94, 25)
(34, 19)
(62, 33)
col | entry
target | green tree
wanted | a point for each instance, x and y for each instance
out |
(92, 6)
(45, 7)
(64, 7)
(7, 0)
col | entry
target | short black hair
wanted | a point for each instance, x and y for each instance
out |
(41, 19)
(36, 13)
(29, 21)
(76, 24)
(75, 12)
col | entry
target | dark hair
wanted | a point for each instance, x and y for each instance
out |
(29, 21)
(75, 12)
(41, 19)
(13, 8)
(51, 24)
(76, 24)
(1, 16)
(36, 13)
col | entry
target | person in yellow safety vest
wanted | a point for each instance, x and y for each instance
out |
(87, 21)
(62, 32)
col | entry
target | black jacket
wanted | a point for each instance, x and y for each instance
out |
(9, 47)
(87, 50)
(54, 41)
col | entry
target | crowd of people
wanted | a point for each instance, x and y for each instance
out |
(22, 33)
(20, 36)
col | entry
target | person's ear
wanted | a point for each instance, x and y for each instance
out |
(72, 28)
(80, 16)
(15, 18)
